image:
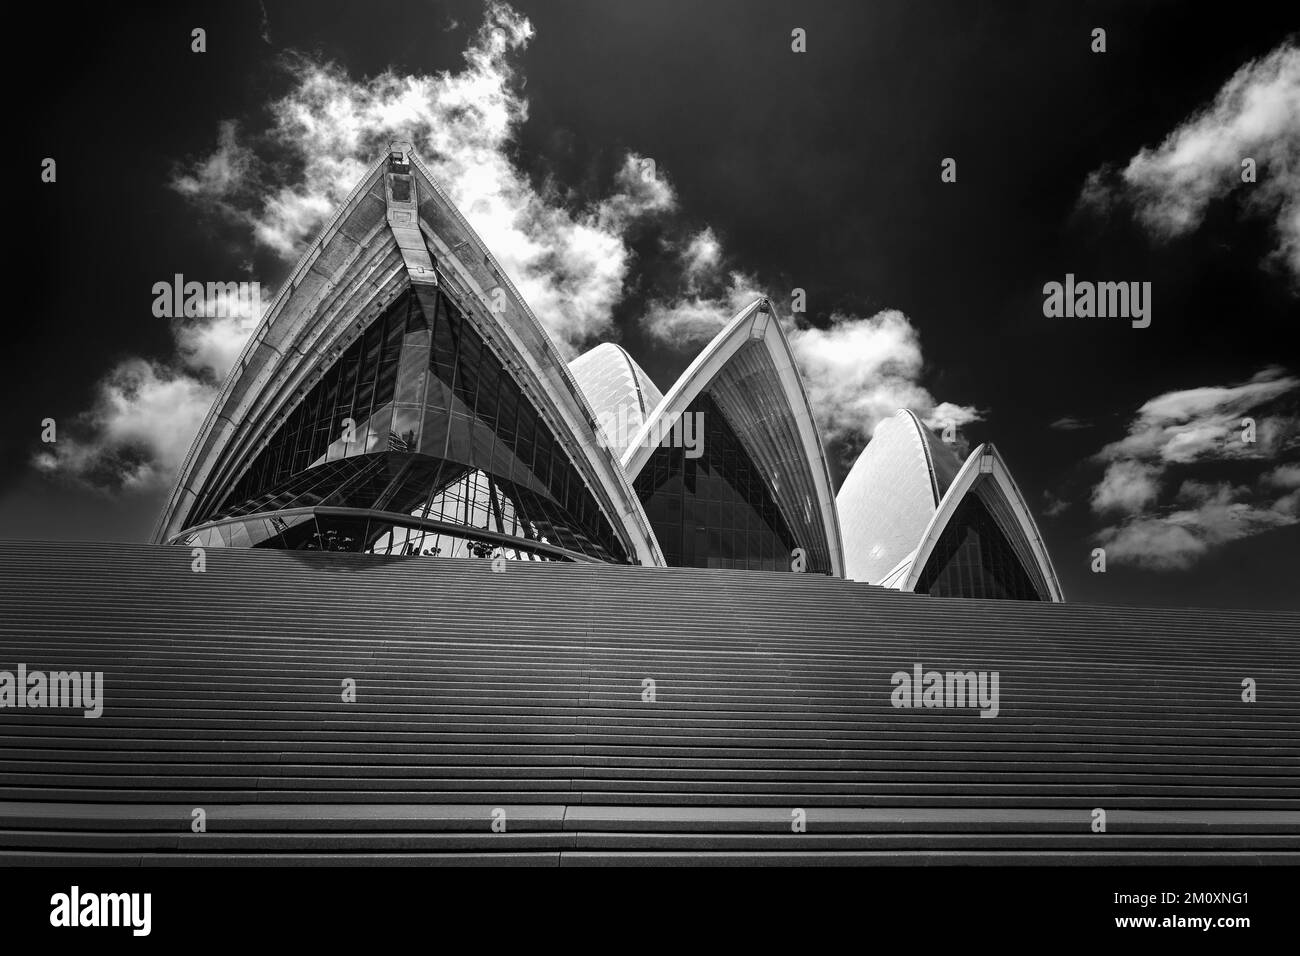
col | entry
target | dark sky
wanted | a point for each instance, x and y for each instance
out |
(818, 171)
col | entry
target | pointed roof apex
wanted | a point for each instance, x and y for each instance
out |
(757, 325)
(398, 229)
(985, 473)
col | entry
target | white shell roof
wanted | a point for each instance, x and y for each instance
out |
(891, 494)
(619, 391)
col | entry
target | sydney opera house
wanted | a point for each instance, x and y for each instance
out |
(400, 398)
(424, 592)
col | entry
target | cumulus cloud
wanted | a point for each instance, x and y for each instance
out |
(1127, 486)
(1192, 429)
(1157, 544)
(1284, 476)
(1255, 115)
(146, 413)
(136, 434)
(694, 319)
(860, 371)
(701, 257)
(208, 345)
(1206, 516)
(1206, 423)
(569, 264)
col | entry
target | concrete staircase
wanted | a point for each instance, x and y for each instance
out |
(521, 692)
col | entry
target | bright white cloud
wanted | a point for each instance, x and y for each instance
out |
(1127, 486)
(1255, 115)
(1156, 544)
(693, 320)
(1206, 423)
(1192, 428)
(570, 265)
(860, 371)
(1210, 516)
(146, 414)
(137, 432)
(210, 344)
(702, 257)
(1283, 476)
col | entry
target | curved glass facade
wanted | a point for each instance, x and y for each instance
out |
(418, 417)
(717, 510)
(749, 500)
(320, 530)
(974, 559)
(405, 485)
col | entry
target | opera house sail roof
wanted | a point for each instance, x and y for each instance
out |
(399, 397)
(890, 495)
(982, 541)
(621, 394)
(919, 519)
(757, 490)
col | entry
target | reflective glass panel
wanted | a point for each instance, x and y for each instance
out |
(972, 558)
(717, 510)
